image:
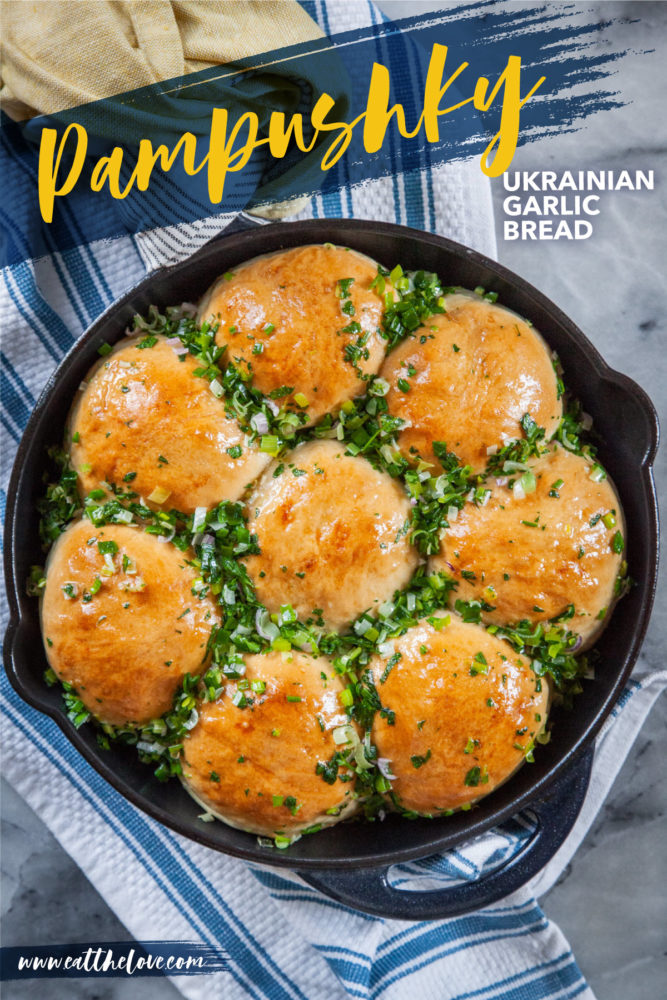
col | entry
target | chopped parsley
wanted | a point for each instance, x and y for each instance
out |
(476, 776)
(419, 761)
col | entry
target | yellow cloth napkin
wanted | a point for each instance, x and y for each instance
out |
(57, 54)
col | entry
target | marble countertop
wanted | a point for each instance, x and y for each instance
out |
(610, 900)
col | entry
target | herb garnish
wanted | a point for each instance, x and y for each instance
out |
(217, 540)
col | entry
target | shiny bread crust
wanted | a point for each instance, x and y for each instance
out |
(451, 713)
(552, 545)
(144, 414)
(295, 294)
(479, 369)
(126, 649)
(237, 759)
(332, 532)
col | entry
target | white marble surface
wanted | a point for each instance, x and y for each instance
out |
(610, 902)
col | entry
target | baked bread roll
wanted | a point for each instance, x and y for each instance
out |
(120, 622)
(479, 370)
(252, 758)
(466, 710)
(146, 423)
(531, 558)
(333, 534)
(305, 310)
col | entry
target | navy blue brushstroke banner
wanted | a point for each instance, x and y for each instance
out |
(112, 960)
(551, 40)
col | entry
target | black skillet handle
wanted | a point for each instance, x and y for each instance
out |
(367, 889)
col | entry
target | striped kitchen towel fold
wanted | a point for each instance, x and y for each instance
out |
(284, 940)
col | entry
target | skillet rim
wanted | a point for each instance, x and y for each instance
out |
(474, 823)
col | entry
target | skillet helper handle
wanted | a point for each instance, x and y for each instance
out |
(368, 889)
(241, 223)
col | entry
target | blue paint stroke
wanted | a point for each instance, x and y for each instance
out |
(111, 960)
(561, 42)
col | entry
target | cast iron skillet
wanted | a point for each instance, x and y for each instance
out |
(350, 861)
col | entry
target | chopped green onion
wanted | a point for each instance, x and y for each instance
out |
(344, 734)
(479, 665)
(379, 387)
(419, 761)
(346, 697)
(109, 548)
(528, 482)
(159, 495)
(270, 444)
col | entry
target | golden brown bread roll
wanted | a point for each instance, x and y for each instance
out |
(289, 306)
(466, 711)
(253, 763)
(532, 557)
(122, 625)
(479, 370)
(144, 412)
(332, 533)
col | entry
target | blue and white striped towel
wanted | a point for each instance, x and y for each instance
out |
(285, 941)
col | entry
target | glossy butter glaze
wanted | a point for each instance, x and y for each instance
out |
(340, 523)
(126, 649)
(238, 758)
(140, 406)
(454, 713)
(480, 369)
(554, 550)
(296, 293)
